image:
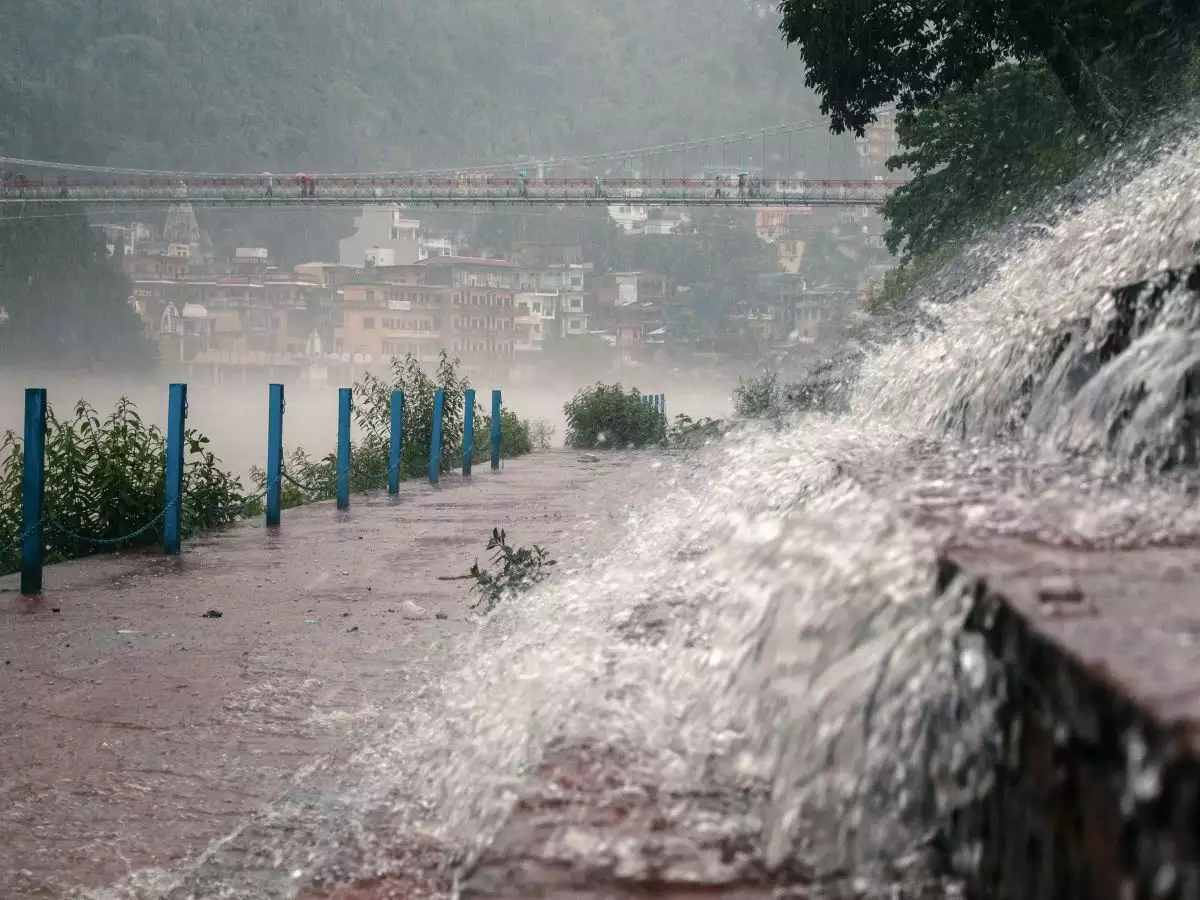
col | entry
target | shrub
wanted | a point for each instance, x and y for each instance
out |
(605, 416)
(541, 434)
(516, 570)
(686, 434)
(106, 486)
(308, 479)
(515, 437)
(756, 398)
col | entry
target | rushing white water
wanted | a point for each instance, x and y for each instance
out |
(766, 618)
(802, 644)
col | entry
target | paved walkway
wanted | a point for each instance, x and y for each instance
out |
(137, 734)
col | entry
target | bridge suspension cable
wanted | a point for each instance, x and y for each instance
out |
(682, 147)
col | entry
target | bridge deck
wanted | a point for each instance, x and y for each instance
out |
(136, 734)
(359, 190)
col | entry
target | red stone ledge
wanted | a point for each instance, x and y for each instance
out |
(1097, 790)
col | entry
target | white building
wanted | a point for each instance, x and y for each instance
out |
(630, 217)
(570, 282)
(535, 318)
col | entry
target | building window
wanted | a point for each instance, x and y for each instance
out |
(368, 323)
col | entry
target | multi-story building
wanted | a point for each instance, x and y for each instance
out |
(572, 282)
(535, 322)
(629, 306)
(376, 321)
(787, 309)
(218, 328)
(390, 228)
(478, 297)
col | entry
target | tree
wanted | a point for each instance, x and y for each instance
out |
(1112, 58)
(67, 304)
(982, 153)
(824, 262)
(377, 85)
(718, 259)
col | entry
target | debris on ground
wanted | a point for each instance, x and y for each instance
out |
(410, 610)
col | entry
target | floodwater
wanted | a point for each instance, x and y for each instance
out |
(799, 658)
(234, 416)
(804, 654)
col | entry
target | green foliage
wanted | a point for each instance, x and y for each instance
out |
(541, 435)
(308, 479)
(1114, 61)
(718, 260)
(982, 154)
(757, 398)
(900, 281)
(105, 480)
(309, 85)
(68, 305)
(688, 434)
(516, 570)
(604, 416)
(516, 438)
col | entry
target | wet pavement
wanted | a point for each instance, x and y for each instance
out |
(141, 741)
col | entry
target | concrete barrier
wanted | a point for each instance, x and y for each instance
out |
(1097, 792)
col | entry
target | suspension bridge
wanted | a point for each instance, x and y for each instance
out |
(359, 190)
(758, 168)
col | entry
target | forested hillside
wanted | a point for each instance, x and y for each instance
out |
(283, 85)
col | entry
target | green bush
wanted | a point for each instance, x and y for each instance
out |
(541, 434)
(689, 434)
(106, 481)
(308, 479)
(515, 435)
(516, 570)
(756, 398)
(106, 486)
(604, 416)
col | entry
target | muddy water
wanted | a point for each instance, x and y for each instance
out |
(234, 416)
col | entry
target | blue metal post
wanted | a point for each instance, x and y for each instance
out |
(396, 445)
(468, 430)
(33, 491)
(345, 402)
(173, 510)
(435, 449)
(495, 435)
(275, 455)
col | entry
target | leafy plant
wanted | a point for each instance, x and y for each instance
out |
(541, 434)
(308, 479)
(688, 434)
(982, 154)
(756, 398)
(106, 485)
(605, 416)
(515, 437)
(516, 570)
(1114, 62)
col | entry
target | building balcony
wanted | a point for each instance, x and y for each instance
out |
(401, 333)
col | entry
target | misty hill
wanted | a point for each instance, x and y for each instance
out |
(284, 85)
